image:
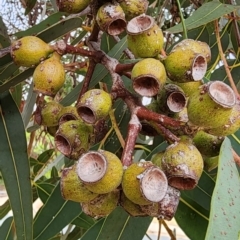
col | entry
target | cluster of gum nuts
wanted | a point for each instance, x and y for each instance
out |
(145, 188)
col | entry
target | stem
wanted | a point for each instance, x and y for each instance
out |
(170, 232)
(182, 20)
(121, 68)
(159, 229)
(224, 60)
(87, 79)
(134, 127)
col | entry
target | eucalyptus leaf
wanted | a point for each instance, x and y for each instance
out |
(6, 229)
(14, 165)
(224, 221)
(208, 12)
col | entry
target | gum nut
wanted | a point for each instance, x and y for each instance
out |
(133, 8)
(50, 114)
(29, 51)
(101, 171)
(196, 46)
(232, 125)
(210, 163)
(111, 18)
(130, 207)
(166, 208)
(211, 105)
(102, 205)
(153, 184)
(145, 39)
(68, 113)
(148, 76)
(72, 6)
(72, 188)
(190, 87)
(157, 159)
(183, 165)
(182, 115)
(184, 65)
(72, 138)
(94, 105)
(49, 76)
(131, 182)
(207, 144)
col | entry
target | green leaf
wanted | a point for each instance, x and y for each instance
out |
(44, 190)
(14, 165)
(83, 221)
(224, 221)
(208, 12)
(4, 209)
(29, 5)
(92, 232)
(6, 230)
(4, 38)
(191, 219)
(120, 226)
(54, 215)
(17, 94)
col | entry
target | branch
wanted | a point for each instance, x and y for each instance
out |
(225, 61)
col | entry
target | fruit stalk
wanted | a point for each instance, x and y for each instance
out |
(134, 127)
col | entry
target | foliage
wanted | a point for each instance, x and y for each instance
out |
(30, 167)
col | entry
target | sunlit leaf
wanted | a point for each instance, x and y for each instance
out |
(14, 165)
(225, 212)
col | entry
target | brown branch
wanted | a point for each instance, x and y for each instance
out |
(236, 157)
(87, 79)
(134, 127)
(121, 68)
(224, 60)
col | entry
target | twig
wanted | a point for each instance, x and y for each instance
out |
(182, 20)
(159, 229)
(87, 79)
(236, 157)
(170, 232)
(224, 60)
(134, 127)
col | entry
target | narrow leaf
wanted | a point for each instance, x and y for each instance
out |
(54, 215)
(4, 209)
(208, 12)
(224, 222)
(120, 226)
(29, 5)
(14, 165)
(6, 231)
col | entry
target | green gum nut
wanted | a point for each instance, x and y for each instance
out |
(207, 144)
(29, 51)
(166, 208)
(130, 207)
(157, 159)
(184, 65)
(231, 126)
(94, 105)
(102, 205)
(133, 8)
(145, 39)
(148, 76)
(196, 46)
(50, 114)
(172, 99)
(210, 163)
(68, 113)
(73, 138)
(49, 76)
(183, 165)
(189, 87)
(211, 105)
(144, 183)
(72, 188)
(111, 18)
(72, 6)
(101, 171)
